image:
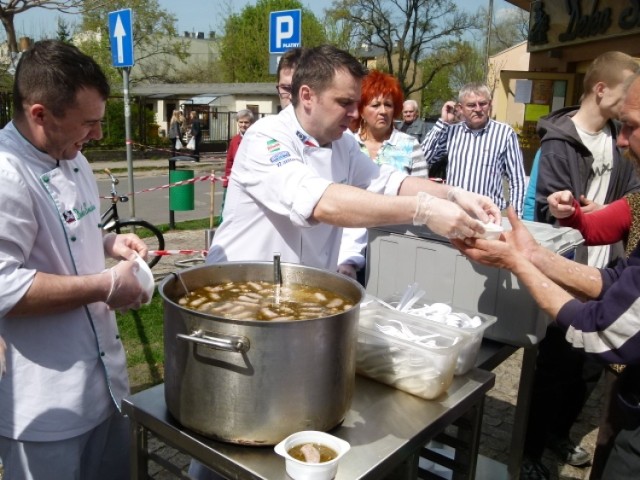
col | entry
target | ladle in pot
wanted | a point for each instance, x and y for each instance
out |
(277, 276)
(177, 275)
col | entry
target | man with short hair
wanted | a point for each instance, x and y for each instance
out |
(67, 372)
(597, 309)
(286, 66)
(481, 152)
(411, 123)
(297, 179)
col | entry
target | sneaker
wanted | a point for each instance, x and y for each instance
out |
(569, 453)
(533, 469)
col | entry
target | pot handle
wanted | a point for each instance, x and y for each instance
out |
(230, 343)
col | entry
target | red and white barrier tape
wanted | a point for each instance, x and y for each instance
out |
(163, 253)
(203, 178)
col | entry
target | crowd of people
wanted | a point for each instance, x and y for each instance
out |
(307, 183)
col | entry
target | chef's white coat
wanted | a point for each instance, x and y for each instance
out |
(66, 372)
(278, 177)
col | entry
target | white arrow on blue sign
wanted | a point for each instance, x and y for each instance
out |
(121, 36)
(285, 30)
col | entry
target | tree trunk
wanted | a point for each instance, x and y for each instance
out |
(7, 23)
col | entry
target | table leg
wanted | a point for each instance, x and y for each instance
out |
(407, 470)
(139, 451)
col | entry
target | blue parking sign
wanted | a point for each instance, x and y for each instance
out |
(121, 37)
(285, 30)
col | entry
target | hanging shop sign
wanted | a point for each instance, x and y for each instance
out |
(556, 24)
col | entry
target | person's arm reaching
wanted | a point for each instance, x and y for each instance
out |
(601, 227)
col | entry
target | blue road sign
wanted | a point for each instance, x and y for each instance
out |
(285, 30)
(121, 36)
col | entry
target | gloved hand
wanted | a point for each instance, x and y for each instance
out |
(348, 269)
(478, 206)
(125, 292)
(444, 217)
(3, 359)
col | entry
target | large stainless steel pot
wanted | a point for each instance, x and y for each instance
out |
(256, 382)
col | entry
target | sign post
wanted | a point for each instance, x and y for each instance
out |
(121, 36)
(285, 33)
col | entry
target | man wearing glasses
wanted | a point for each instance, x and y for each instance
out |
(286, 66)
(481, 152)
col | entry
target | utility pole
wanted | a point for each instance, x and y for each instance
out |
(488, 41)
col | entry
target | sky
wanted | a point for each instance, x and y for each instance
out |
(192, 15)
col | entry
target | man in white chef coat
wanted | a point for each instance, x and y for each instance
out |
(66, 371)
(297, 179)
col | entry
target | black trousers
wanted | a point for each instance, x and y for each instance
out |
(564, 379)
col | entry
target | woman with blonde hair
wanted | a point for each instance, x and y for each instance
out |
(175, 133)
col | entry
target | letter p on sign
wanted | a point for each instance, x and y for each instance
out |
(285, 29)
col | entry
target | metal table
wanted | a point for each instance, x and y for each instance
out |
(386, 428)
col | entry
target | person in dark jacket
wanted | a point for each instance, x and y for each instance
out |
(578, 153)
(196, 132)
(411, 122)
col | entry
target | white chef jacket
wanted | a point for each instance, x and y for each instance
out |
(66, 372)
(278, 177)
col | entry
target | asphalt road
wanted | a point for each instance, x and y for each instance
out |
(153, 206)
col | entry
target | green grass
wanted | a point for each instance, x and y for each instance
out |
(142, 336)
(142, 331)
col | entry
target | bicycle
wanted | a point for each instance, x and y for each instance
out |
(110, 221)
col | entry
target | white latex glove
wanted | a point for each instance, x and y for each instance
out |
(3, 359)
(445, 218)
(126, 292)
(478, 206)
(348, 269)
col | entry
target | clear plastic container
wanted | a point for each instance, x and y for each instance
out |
(422, 369)
(471, 336)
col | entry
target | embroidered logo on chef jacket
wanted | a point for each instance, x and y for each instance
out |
(273, 146)
(305, 139)
(68, 216)
(279, 157)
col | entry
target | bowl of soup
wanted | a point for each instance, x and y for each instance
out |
(312, 455)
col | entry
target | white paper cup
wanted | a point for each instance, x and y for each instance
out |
(145, 277)
(298, 470)
(491, 231)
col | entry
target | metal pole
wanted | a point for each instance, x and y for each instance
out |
(127, 133)
(488, 41)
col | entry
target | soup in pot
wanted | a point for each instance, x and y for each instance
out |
(262, 300)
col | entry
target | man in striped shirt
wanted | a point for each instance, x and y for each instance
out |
(481, 152)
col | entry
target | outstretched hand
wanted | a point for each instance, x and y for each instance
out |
(504, 253)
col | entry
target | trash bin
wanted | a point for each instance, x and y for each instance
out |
(181, 198)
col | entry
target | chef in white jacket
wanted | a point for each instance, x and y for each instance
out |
(66, 370)
(297, 179)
